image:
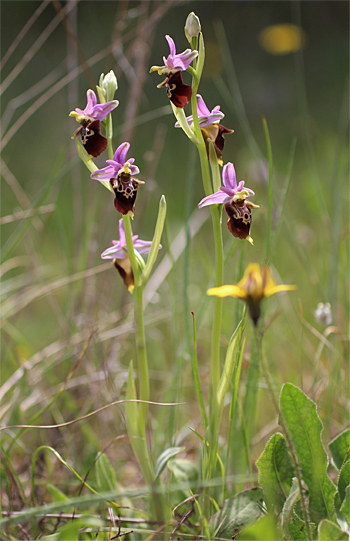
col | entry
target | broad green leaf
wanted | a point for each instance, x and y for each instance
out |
(105, 474)
(276, 471)
(345, 508)
(165, 457)
(237, 513)
(304, 428)
(263, 530)
(340, 448)
(328, 530)
(344, 480)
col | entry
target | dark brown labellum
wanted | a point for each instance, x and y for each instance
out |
(220, 141)
(178, 92)
(123, 266)
(240, 219)
(215, 132)
(125, 189)
(94, 143)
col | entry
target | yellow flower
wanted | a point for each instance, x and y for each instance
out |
(257, 284)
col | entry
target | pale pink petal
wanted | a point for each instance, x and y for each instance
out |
(214, 199)
(229, 176)
(171, 44)
(121, 152)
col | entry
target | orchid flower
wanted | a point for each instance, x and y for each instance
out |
(178, 92)
(233, 196)
(120, 173)
(119, 253)
(257, 284)
(210, 126)
(90, 119)
(205, 117)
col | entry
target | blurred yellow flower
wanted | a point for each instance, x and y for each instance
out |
(257, 284)
(281, 39)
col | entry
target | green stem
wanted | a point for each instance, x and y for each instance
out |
(210, 454)
(219, 276)
(130, 247)
(259, 339)
(142, 365)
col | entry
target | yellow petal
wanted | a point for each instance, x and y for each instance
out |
(227, 291)
(275, 289)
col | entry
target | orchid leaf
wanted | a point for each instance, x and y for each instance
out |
(156, 241)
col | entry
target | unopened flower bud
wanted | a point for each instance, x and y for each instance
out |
(192, 26)
(110, 85)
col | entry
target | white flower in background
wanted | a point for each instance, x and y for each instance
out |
(323, 313)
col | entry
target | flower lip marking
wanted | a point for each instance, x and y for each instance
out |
(178, 92)
(91, 138)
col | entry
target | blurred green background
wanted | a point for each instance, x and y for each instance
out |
(52, 302)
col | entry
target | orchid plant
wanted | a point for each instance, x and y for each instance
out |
(203, 128)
